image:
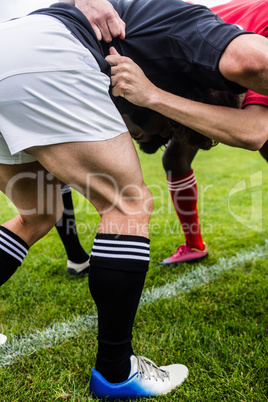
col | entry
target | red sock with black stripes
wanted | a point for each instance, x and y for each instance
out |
(117, 272)
(12, 252)
(183, 191)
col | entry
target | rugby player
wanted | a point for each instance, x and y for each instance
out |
(56, 115)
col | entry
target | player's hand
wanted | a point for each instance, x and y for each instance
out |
(103, 18)
(128, 80)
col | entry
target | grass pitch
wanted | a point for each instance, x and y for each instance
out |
(209, 316)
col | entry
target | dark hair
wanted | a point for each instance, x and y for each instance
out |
(183, 134)
(140, 115)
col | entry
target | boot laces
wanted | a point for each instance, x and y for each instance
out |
(148, 369)
(182, 249)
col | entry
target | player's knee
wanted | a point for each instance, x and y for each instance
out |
(138, 203)
(144, 209)
(148, 203)
(47, 222)
(139, 207)
(131, 213)
(38, 225)
(168, 160)
(177, 161)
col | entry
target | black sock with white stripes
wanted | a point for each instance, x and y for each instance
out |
(67, 229)
(118, 267)
(12, 252)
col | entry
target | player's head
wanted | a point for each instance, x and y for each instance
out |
(152, 130)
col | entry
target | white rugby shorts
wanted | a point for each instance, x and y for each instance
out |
(51, 89)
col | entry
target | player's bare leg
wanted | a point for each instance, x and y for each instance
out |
(108, 173)
(177, 160)
(36, 195)
(78, 260)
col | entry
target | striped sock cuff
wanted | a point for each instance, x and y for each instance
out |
(65, 189)
(12, 246)
(181, 183)
(121, 252)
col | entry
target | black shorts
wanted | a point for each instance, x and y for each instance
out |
(175, 43)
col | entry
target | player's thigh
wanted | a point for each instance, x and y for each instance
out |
(107, 173)
(33, 190)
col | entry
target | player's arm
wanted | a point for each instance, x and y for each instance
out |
(102, 16)
(245, 128)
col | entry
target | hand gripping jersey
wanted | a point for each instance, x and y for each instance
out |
(178, 45)
(251, 15)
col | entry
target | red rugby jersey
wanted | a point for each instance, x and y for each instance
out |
(251, 15)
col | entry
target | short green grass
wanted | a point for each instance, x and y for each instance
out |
(217, 329)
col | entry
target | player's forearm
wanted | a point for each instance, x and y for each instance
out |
(234, 127)
(237, 128)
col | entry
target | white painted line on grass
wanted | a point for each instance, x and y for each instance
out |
(197, 277)
(57, 333)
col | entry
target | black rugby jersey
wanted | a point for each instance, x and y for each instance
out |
(177, 45)
(171, 36)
